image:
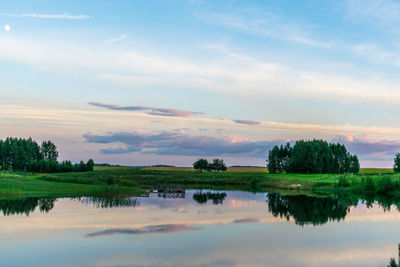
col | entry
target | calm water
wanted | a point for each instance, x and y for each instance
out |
(198, 228)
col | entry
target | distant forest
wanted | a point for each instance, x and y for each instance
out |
(312, 156)
(17, 154)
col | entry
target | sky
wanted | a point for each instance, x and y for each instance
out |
(166, 82)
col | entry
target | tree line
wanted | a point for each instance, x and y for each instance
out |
(312, 156)
(18, 154)
(204, 165)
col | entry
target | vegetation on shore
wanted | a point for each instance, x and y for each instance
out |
(204, 165)
(312, 156)
(137, 181)
(18, 154)
(302, 168)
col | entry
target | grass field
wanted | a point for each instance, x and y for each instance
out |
(255, 169)
(33, 185)
(230, 169)
(121, 181)
(376, 171)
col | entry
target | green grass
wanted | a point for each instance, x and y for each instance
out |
(145, 179)
(124, 181)
(32, 185)
(369, 171)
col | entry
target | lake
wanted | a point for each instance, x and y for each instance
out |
(198, 228)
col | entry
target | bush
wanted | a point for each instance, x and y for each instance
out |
(384, 186)
(111, 180)
(66, 166)
(368, 186)
(343, 182)
(254, 181)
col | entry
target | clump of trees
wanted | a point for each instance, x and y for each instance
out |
(52, 166)
(18, 154)
(312, 156)
(204, 165)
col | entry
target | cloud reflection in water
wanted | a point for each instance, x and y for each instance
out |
(151, 229)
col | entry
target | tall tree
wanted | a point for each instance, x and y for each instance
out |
(273, 160)
(396, 167)
(49, 150)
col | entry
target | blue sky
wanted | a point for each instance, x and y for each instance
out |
(164, 82)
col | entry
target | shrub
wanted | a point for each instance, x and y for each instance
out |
(111, 180)
(343, 182)
(384, 186)
(254, 181)
(368, 186)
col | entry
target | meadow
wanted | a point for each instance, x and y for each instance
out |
(129, 181)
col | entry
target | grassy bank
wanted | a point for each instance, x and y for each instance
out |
(135, 181)
(19, 185)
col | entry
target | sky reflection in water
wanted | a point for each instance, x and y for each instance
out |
(199, 228)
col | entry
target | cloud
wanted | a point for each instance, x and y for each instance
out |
(237, 75)
(248, 122)
(384, 14)
(150, 110)
(67, 125)
(120, 150)
(266, 25)
(180, 143)
(116, 39)
(46, 16)
(151, 229)
(368, 148)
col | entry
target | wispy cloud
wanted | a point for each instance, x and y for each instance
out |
(384, 14)
(150, 110)
(265, 24)
(236, 76)
(47, 16)
(178, 143)
(116, 39)
(248, 122)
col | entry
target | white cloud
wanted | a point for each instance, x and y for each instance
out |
(233, 73)
(116, 39)
(381, 13)
(46, 16)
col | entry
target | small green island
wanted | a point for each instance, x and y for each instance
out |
(314, 168)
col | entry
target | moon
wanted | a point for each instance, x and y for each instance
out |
(7, 27)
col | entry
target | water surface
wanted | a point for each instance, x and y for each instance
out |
(198, 228)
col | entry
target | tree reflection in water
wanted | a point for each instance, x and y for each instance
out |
(392, 262)
(110, 202)
(26, 205)
(216, 197)
(309, 210)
